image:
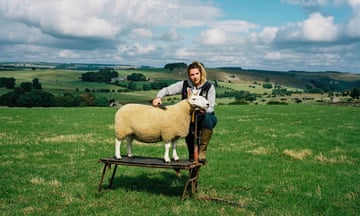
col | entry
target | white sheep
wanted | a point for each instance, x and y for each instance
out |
(150, 124)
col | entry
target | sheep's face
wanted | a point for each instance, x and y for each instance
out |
(198, 101)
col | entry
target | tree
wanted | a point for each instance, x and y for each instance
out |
(9, 99)
(26, 86)
(355, 93)
(216, 83)
(69, 100)
(104, 75)
(159, 85)
(8, 83)
(136, 77)
(88, 99)
(172, 66)
(102, 101)
(132, 86)
(267, 86)
(36, 84)
(146, 87)
(47, 99)
(25, 100)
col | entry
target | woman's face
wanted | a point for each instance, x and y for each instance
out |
(195, 76)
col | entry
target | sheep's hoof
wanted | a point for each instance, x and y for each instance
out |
(117, 158)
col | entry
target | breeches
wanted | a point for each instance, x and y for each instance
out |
(208, 121)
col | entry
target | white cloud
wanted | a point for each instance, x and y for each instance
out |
(273, 55)
(141, 33)
(171, 35)
(68, 54)
(319, 28)
(66, 17)
(182, 53)
(267, 35)
(316, 28)
(353, 26)
(158, 31)
(213, 36)
(234, 26)
(137, 49)
(105, 19)
(306, 3)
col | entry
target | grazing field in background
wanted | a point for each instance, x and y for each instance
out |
(273, 160)
(60, 81)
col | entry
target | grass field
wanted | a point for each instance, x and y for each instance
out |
(273, 160)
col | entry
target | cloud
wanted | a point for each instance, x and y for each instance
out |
(156, 32)
(61, 17)
(319, 28)
(234, 26)
(141, 33)
(267, 35)
(352, 28)
(171, 35)
(316, 28)
(213, 36)
(104, 19)
(273, 55)
(306, 3)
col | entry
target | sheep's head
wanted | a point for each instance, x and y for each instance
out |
(198, 101)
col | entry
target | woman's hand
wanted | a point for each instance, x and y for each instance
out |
(156, 101)
(202, 111)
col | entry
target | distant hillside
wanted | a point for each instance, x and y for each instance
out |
(234, 85)
(64, 66)
(332, 81)
(327, 81)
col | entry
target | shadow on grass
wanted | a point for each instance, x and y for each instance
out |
(165, 183)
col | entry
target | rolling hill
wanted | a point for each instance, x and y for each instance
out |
(65, 78)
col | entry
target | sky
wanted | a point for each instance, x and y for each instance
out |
(310, 35)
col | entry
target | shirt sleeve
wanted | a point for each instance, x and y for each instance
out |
(175, 88)
(211, 98)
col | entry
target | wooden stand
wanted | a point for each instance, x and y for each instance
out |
(151, 162)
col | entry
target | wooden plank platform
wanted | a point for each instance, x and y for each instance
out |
(149, 162)
(152, 162)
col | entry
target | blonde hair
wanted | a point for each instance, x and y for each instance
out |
(201, 68)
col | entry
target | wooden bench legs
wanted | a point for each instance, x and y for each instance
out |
(190, 186)
(193, 179)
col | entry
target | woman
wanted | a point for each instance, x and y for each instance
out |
(198, 84)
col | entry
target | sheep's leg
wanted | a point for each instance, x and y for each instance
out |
(129, 140)
(117, 148)
(166, 155)
(174, 153)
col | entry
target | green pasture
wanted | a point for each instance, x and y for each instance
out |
(59, 82)
(271, 160)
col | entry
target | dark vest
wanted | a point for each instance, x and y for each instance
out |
(203, 92)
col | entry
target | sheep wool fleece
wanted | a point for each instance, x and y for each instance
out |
(151, 124)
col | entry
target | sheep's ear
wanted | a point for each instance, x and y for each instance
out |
(188, 92)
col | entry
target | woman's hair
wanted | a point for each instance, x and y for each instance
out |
(201, 68)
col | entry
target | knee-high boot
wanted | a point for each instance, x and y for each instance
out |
(204, 142)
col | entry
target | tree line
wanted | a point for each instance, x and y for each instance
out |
(30, 94)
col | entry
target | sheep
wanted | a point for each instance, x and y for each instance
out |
(150, 124)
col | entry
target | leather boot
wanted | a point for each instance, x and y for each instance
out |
(204, 141)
